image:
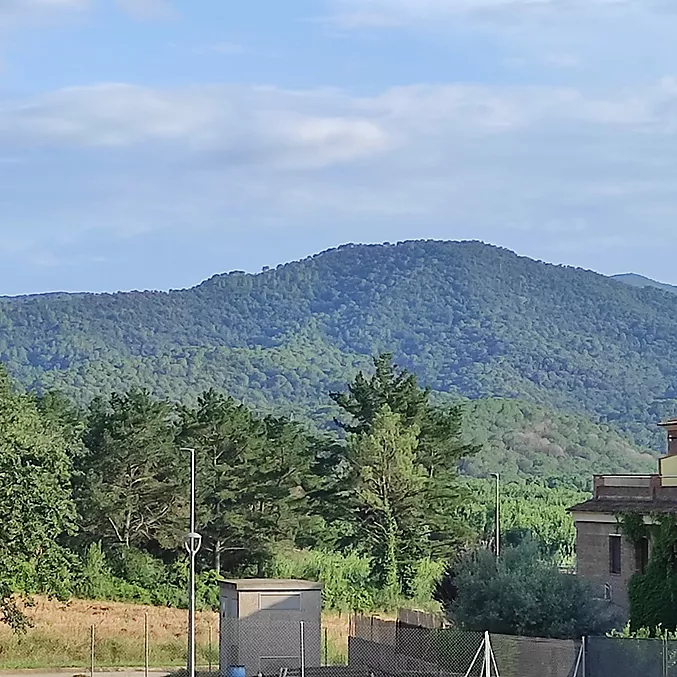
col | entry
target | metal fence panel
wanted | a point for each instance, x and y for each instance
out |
(620, 657)
(534, 657)
(399, 649)
(268, 645)
(671, 658)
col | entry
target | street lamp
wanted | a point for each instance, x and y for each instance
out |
(192, 543)
(497, 517)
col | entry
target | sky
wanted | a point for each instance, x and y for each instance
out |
(150, 144)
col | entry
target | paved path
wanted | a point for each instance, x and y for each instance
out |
(72, 672)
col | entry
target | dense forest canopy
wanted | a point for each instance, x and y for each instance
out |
(470, 320)
(377, 508)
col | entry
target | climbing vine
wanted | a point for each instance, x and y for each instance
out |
(653, 594)
(634, 527)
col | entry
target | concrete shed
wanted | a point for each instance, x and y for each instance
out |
(269, 624)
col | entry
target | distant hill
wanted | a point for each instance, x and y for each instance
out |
(523, 440)
(472, 320)
(640, 281)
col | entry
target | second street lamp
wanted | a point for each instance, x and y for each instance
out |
(192, 543)
(497, 517)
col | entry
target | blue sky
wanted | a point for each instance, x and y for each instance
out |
(154, 143)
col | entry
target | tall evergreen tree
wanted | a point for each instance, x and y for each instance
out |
(392, 418)
(250, 479)
(131, 484)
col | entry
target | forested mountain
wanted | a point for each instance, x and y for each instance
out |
(641, 281)
(471, 320)
(524, 440)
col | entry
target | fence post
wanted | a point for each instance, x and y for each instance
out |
(487, 655)
(146, 647)
(210, 647)
(326, 647)
(584, 657)
(303, 649)
(91, 652)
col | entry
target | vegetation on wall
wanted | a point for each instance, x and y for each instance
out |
(653, 594)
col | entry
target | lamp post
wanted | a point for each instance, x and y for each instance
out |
(192, 543)
(497, 517)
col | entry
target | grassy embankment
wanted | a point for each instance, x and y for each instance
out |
(60, 637)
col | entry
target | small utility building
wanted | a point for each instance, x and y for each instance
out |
(269, 624)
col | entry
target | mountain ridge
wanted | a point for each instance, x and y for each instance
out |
(472, 320)
(636, 280)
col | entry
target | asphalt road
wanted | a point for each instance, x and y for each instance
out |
(72, 672)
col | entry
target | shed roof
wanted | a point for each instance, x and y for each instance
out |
(269, 585)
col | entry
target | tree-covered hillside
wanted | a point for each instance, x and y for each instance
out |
(524, 440)
(471, 320)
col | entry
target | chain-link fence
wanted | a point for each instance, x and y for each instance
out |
(621, 657)
(395, 648)
(265, 646)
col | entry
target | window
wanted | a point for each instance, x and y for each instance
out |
(607, 592)
(277, 602)
(642, 555)
(614, 554)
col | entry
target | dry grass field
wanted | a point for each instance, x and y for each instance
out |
(60, 637)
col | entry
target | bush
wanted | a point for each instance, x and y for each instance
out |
(346, 578)
(96, 581)
(522, 594)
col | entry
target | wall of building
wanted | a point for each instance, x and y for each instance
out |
(668, 470)
(592, 560)
(261, 629)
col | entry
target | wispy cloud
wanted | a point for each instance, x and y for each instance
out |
(225, 48)
(148, 9)
(37, 11)
(236, 124)
(507, 164)
(396, 12)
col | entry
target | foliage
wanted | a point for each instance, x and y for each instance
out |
(394, 484)
(35, 502)
(251, 476)
(633, 527)
(525, 441)
(374, 512)
(468, 319)
(129, 490)
(653, 594)
(521, 594)
(347, 579)
(529, 510)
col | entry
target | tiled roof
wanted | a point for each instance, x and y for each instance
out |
(618, 505)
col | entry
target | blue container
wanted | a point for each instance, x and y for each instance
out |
(235, 671)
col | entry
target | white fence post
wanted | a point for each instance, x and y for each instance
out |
(303, 649)
(91, 655)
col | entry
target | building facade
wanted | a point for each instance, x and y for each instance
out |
(268, 625)
(604, 555)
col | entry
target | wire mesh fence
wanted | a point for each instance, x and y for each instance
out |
(395, 648)
(621, 657)
(263, 645)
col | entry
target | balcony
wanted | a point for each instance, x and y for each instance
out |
(647, 488)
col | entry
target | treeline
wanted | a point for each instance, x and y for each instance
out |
(94, 502)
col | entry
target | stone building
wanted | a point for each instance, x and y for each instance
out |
(606, 557)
